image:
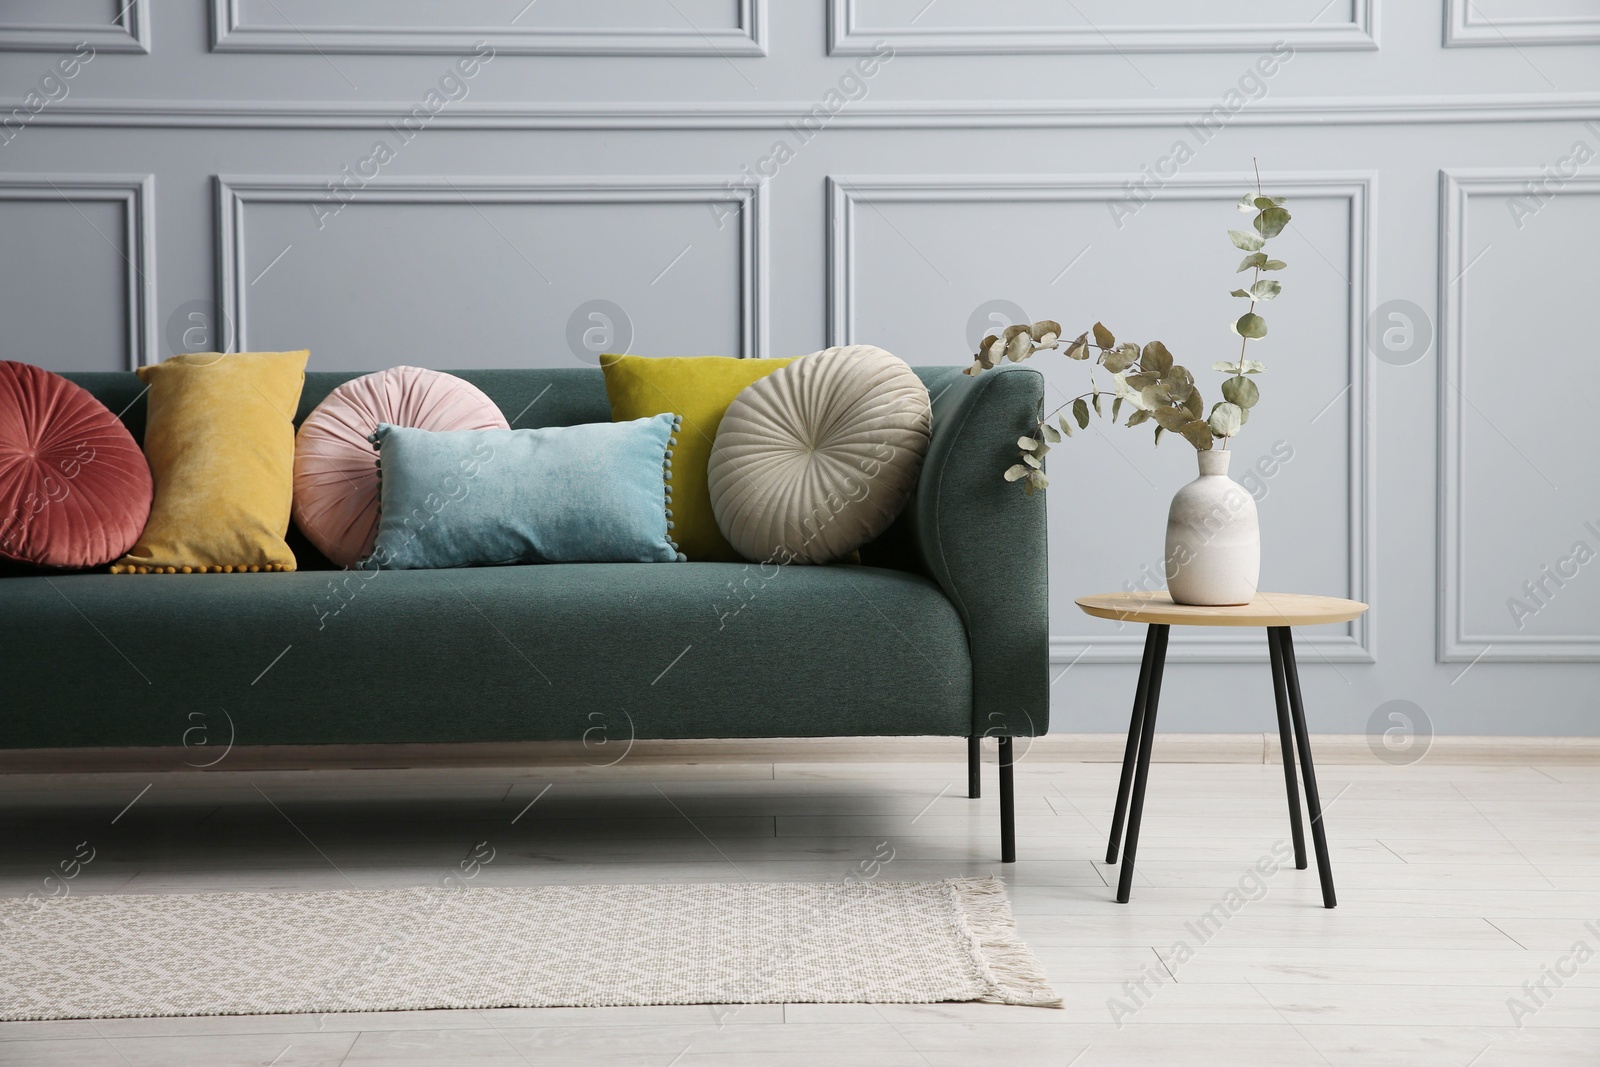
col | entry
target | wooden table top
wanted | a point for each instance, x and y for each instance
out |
(1264, 609)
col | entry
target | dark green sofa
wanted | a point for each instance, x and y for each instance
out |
(941, 631)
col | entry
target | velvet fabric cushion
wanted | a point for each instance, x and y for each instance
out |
(817, 459)
(596, 493)
(220, 440)
(335, 467)
(699, 389)
(74, 487)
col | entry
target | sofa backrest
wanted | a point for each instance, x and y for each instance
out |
(529, 398)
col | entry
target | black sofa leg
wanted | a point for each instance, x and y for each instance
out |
(1008, 806)
(974, 766)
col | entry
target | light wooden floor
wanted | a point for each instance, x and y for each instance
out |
(1457, 884)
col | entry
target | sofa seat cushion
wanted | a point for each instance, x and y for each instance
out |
(552, 652)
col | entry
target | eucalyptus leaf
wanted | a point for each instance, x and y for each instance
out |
(1156, 359)
(1272, 264)
(1271, 221)
(1015, 471)
(1019, 347)
(1051, 434)
(1198, 433)
(1027, 444)
(1139, 417)
(1095, 403)
(1266, 289)
(1116, 408)
(1194, 404)
(1045, 328)
(1247, 204)
(1252, 366)
(1255, 259)
(1103, 337)
(1172, 418)
(1240, 292)
(1225, 364)
(1225, 420)
(1121, 358)
(1016, 331)
(1178, 390)
(1264, 202)
(1159, 431)
(1246, 240)
(1141, 382)
(1080, 411)
(1240, 391)
(1066, 427)
(1032, 460)
(1037, 480)
(1250, 325)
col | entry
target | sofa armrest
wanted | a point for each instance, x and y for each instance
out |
(983, 540)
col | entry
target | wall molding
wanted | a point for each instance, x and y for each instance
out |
(1465, 27)
(1455, 644)
(1192, 645)
(136, 193)
(706, 115)
(846, 37)
(130, 32)
(230, 33)
(234, 192)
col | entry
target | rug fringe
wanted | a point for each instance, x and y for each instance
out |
(1013, 974)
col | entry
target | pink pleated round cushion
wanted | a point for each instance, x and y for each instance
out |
(335, 465)
(75, 489)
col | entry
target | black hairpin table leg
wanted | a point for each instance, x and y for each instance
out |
(1297, 711)
(1147, 736)
(974, 766)
(1130, 754)
(1280, 693)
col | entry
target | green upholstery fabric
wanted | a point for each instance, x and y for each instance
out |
(945, 632)
(486, 654)
(983, 540)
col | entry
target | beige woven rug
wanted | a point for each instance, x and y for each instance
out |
(545, 946)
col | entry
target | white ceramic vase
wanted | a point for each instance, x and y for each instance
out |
(1213, 541)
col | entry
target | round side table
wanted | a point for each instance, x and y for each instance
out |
(1278, 613)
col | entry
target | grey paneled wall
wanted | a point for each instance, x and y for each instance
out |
(499, 183)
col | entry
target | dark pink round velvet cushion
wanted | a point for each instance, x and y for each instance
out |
(335, 466)
(75, 489)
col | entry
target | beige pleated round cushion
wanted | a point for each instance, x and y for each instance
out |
(817, 458)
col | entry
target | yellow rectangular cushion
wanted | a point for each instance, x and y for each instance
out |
(220, 441)
(699, 389)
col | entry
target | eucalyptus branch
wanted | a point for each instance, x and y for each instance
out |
(1145, 377)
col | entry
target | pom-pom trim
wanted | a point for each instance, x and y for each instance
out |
(204, 568)
(666, 485)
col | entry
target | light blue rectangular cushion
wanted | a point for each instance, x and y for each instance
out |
(596, 493)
